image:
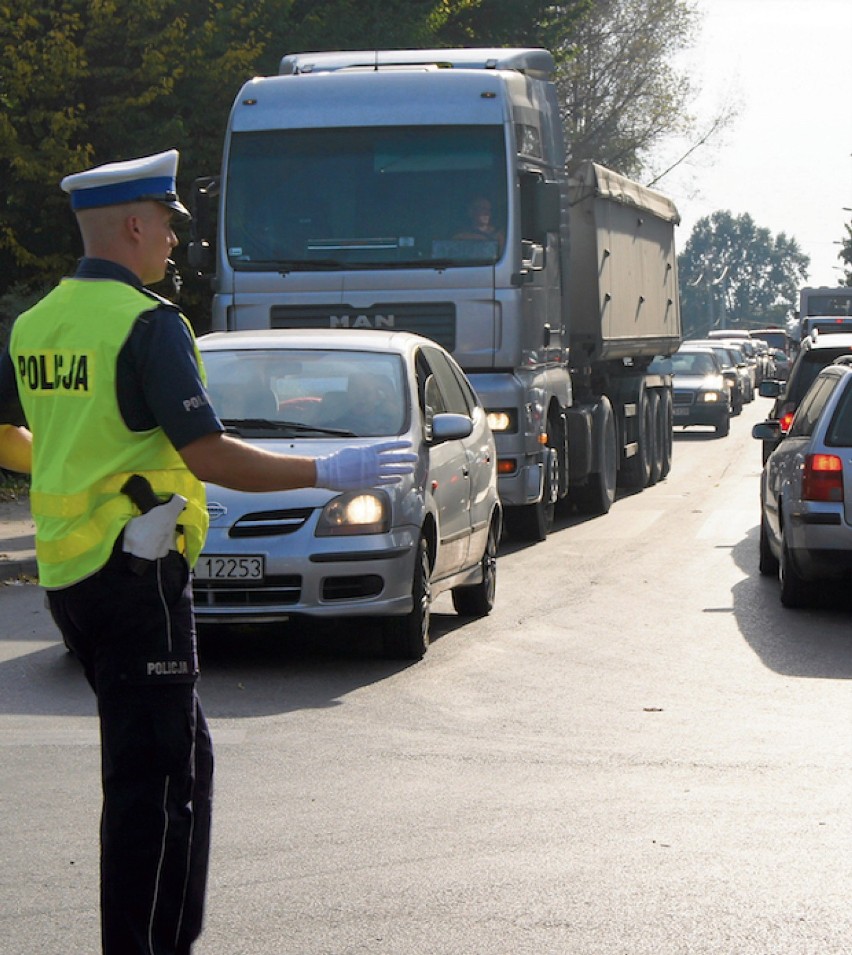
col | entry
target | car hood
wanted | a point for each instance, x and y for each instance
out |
(708, 382)
(225, 504)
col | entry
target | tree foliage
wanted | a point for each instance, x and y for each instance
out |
(734, 273)
(845, 254)
(93, 81)
(619, 92)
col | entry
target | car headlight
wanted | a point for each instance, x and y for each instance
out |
(356, 512)
(710, 396)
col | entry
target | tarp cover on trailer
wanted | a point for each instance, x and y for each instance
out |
(591, 179)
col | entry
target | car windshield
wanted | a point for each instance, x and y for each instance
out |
(308, 392)
(692, 363)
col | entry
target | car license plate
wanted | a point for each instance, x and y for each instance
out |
(681, 412)
(222, 567)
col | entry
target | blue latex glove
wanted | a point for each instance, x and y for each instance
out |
(353, 468)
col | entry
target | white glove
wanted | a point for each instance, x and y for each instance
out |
(152, 535)
(353, 468)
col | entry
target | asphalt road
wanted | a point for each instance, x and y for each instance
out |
(640, 752)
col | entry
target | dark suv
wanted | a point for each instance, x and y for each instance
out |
(815, 352)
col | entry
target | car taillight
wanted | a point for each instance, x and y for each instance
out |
(823, 478)
(786, 420)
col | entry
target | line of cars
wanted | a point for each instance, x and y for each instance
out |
(381, 553)
(715, 377)
(806, 483)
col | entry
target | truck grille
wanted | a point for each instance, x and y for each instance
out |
(435, 320)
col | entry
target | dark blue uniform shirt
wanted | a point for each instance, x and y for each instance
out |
(158, 382)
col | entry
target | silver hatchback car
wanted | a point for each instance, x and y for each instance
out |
(379, 552)
(806, 489)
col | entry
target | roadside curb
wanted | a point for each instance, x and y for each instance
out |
(17, 541)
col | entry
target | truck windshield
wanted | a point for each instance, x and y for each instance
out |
(386, 197)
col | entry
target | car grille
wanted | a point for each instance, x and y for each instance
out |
(682, 397)
(269, 523)
(274, 589)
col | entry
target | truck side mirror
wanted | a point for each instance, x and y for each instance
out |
(546, 208)
(540, 207)
(203, 204)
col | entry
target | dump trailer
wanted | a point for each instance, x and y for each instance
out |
(426, 191)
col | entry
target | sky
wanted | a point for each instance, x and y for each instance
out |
(786, 160)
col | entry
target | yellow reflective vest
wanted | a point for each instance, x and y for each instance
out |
(65, 351)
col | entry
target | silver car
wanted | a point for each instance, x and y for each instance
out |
(380, 552)
(806, 489)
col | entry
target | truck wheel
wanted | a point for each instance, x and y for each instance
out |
(533, 522)
(637, 469)
(668, 442)
(598, 494)
(477, 600)
(656, 471)
(407, 638)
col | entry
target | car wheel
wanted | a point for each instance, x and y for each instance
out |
(795, 590)
(407, 637)
(477, 600)
(723, 426)
(768, 562)
(737, 404)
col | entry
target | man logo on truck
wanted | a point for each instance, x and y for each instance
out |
(362, 321)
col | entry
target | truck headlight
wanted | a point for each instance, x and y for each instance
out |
(503, 420)
(356, 512)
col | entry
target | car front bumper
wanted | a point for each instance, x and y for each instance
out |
(323, 577)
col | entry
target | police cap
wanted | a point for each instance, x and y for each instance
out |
(151, 178)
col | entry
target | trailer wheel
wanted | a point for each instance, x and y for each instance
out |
(636, 472)
(656, 413)
(598, 494)
(668, 418)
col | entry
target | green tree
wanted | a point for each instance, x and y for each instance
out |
(91, 81)
(619, 91)
(538, 23)
(736, 274)
(845, 254)
(87, 81)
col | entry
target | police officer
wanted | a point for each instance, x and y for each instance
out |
(108, 381)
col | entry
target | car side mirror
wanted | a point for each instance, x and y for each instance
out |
(769, 430)
(770, 388)
(450, 427)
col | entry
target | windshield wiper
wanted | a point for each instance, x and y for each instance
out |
(258, 424)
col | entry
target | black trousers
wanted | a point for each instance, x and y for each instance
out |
(135, 637)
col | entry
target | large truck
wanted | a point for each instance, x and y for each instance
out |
(346, 197)
(825, 309)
